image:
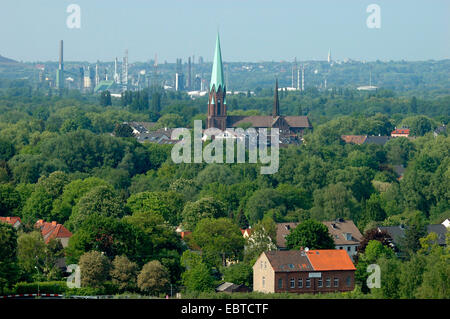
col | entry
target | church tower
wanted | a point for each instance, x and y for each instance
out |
(217, 108)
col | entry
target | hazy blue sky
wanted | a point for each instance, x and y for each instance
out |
(250, 30)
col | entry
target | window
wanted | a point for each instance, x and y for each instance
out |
(264, 281)
(328, 282)
(349, 281)
(336, 282)
(265, 265)
(308, 283)
(320, 283)
(280, 283)
(292, 283)
(261, 264)
(300, 282)
(348, 248)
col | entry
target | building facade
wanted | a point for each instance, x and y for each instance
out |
(345, 234)
(298, 271)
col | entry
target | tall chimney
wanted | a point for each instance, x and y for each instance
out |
(189, 73)
(61, 52)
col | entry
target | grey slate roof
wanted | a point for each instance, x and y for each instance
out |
(268, 120)
(397, 232)
(379, 140)
(440, 230)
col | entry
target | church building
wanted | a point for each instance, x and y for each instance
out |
(289, 126)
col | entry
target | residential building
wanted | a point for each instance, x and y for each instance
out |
(401, 132)
(442, 129)
(246, 232)
(140, 127)
(345, 234)
(13, 221)
(397, 233)
(283, 229)
(365, 139)
(299, 271)
(160, 136)
(54, 230)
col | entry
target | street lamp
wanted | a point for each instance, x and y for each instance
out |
(38, 279)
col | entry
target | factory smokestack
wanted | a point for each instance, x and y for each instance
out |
(60, 71)
(61, 57)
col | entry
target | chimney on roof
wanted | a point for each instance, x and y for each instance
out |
(302, 251)
(53, 223)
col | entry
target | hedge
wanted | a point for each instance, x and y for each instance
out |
(45, 287)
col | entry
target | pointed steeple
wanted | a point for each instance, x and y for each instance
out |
(276, 102)
(217, 78)
(217, 105)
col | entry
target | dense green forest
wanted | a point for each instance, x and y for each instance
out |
(59, 161)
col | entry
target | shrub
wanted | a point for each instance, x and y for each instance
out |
(46, 287)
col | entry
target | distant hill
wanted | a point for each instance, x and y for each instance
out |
(4, 60)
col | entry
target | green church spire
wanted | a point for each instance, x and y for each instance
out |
(217, 78)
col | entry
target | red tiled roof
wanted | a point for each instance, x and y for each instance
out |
(52, 230)
(401, 131)
(10, 220)
(330, 259)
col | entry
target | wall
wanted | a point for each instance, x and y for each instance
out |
(341, 275)
(264, 271)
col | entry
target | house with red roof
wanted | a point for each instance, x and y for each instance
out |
(54, 230)
(401, 132)
(13, 221)
(304, 271)
(246, 232)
